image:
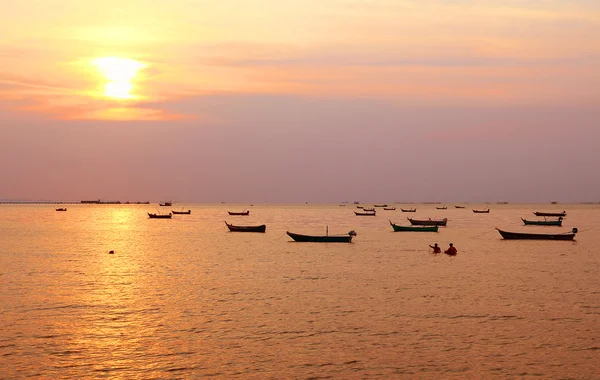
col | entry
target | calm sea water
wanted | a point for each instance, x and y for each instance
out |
(185, 298)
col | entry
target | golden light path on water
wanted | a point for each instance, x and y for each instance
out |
(120, 74)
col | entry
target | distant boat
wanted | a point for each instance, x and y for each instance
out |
(482, 211)
(61, 209)
(539, 213)
(368, 213)
(247, 212)
(409, 210)
(323, 239)
(160, 216)
(188, 212)
(166, 204)
(342, 205)
(389, 208)
(398, 228)
(428, 222)
(359, 207)
(527, 236)
(442, 208)
(459, 206)
(381, 205)
(369, 209)
(232, 228)
(553, 203)
(356, 202)
(557, 222)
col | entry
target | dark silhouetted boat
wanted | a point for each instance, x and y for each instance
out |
(557, 222)
(428, 222)
(539, 213)
(529, 236)
(372, 209)
(368, 213)
(166, 204)
(246, 212)
(442, 208)
(381, 205)
(61, 209)
(459, 206)
(323, 239)
(188, 212)
(389, 208)
(409, 210)
(232, 228)
(359, 207)
(482, 211)
(160, 216)
(398, 228)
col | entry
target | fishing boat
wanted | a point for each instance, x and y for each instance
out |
(557, 222)
(442, 208)
(482, 211)
(372, 209)
(368, 213)
(61, 209)
(323, 239)
(398, 228)
(160, 216)
(428, 222)
(389, 208)
(246, 212)
(359, 207)
(459, 206)
(232, 228)
(166, 204)
(529, 236)
(381, 205)
(188, 212)
(409, 210)
(539, 213)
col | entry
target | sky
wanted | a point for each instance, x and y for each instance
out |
(300, 100)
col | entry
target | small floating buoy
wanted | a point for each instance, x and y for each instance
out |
(111, 252)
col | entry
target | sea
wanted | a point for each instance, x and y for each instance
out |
(184, 298)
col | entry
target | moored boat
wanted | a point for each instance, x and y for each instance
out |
(459, 206)
(368, 213)
(160, 216)
(232, 228)
(247, 212)
(188, 212)
(61, 209)
(166, 204)
(398, 228)
(381, 205)
(372, 209)
(428, 222)
(557, 222)
(539, 213)
(322, 239)
(389, 208)
(482, 211)
(408, 209)
(534, 236)
(442, 208)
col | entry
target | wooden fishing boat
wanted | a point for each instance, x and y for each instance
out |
(442, 208)
(529, 236)
(459, 206)
(398, 228)
(409, 210)
(539, 213)
(232, 228)
(323, 239)
(160, 216)
(557, 222)
(61, 209)
(372, 209)
(359, 207)
(389, 208)
(368, 213)
(482, 211)
(381, 205)
(428, 222)
(166, 204)
(188, 212)
(247, 212)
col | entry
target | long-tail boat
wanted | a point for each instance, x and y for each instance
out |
(482, 211)
(372, 209)
(188, 212)
(247, 212)
(389, 208)
(398, 228)
(459, 206)
(428, 222)
(529, 236)
(368, 213)
(160, 216)
(442, 208)
(557, 222)
(232, 228)
(61, 209)
(166, 204)
(323, 239)
(539, 213)
(381, 205)
(408, 209)
(359, 207)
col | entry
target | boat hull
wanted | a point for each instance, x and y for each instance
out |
(158, 216)
(429, 222)
(398, 228)
(557, 223)
(409, 210)
(527, 236)
(481, 211)
(320, 239)
(538, 213)
(188, 212)
(372, 213)
(232, 228)
(239, 213)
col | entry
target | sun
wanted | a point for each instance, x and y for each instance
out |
(119, 74)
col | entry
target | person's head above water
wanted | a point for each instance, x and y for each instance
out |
(451, 244)
(435, 245)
